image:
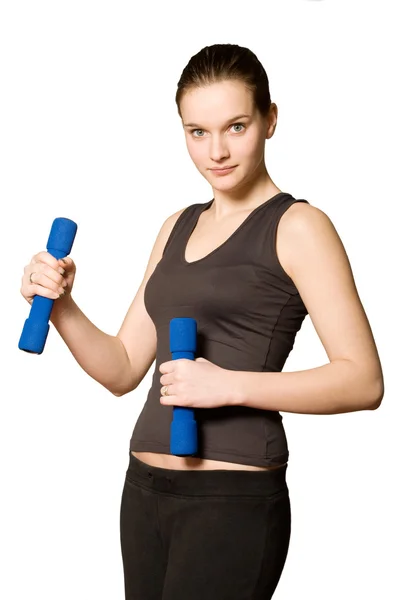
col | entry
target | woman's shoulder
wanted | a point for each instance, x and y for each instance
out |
(304, 228)
(170, 221)
(302, 217)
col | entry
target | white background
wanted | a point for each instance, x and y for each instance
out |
(87, 106)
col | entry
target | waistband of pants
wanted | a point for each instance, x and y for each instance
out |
(207, 482)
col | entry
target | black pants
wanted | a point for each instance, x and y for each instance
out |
(203, 535)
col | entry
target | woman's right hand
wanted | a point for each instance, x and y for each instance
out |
(51, 278)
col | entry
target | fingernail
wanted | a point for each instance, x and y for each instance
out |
(61, 270)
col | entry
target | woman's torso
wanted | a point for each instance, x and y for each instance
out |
(205, 238)
(168, 461)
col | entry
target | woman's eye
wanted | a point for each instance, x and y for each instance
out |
(234, 125)
(238, 125)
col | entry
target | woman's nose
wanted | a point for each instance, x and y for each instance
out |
(218, 150)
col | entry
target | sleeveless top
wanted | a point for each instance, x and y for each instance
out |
(248, 312)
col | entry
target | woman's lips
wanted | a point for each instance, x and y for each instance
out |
(223, 171)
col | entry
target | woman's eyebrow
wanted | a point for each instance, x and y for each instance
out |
(228, 121)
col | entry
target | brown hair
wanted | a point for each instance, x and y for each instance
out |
(222, 62)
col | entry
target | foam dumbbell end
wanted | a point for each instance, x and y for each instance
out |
(36, 327)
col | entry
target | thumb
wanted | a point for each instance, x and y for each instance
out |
(66, 262)
(201, 359)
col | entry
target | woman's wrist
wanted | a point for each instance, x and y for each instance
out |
(62, 307)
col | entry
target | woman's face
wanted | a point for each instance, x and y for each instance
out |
(218, 134)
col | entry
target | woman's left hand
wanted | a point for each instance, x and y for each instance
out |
(196, 383)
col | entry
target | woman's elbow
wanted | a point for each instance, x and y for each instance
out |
(377, 391)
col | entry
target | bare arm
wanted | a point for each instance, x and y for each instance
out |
(313, 255)
(101, 355)
(119, 362)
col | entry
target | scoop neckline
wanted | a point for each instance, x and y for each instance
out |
(203, 209)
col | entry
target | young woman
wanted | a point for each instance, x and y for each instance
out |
(248, 265)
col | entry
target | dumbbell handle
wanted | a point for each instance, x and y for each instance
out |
(183, 432)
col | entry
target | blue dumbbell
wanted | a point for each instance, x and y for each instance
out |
(183, 433)
(36, 327)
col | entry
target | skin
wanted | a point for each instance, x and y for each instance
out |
(219, 144)
(309, 250)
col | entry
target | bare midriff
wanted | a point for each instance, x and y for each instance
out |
(190, 463)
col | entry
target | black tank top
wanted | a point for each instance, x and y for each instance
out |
(248, 312)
